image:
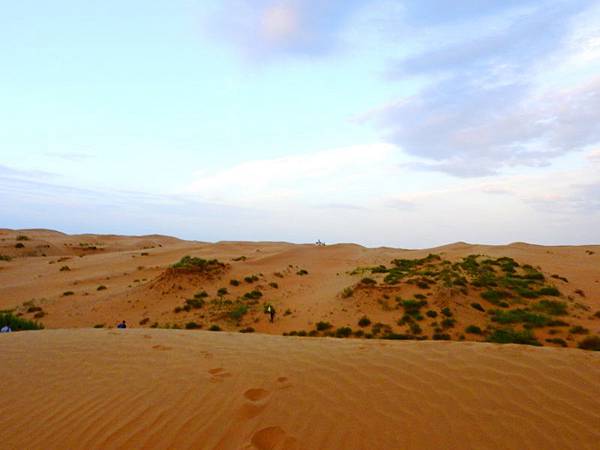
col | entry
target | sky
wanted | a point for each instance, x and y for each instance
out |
(405, 123)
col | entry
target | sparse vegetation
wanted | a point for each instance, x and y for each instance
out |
(274, 285)
(222, 292)
(519, 316)
(368, 281)
(5, 258)
(510, 336)
(557, 341)
(590, 343)
(68, 293)
(234, 282)
(192, 326)
(214, 328)
(364, 321)
(22, 237)
(578, 329)
(198, 264)
(347, 292)
(101, 288)
(251, 279)
(247, 330)
(20, 245)
(323, 326)
(431, 313)
(477, 306)
(343, 332)
(302, 272)
(144, 321)
(253, 295)
(473, 329)
(17, 323)
(238, 312)
(447, 312)
(552, 307)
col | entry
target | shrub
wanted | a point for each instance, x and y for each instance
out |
(278, 274)
(302, 272)
(597, 314)
(33, 309)
(368, 281)
(519, 316)
(578, 329)
(65, 269)
(195, 303)
(510, 336)
(494, 296)
(413, 307)
(144, 321)
(477, 306)
(234, 282)
(247, 330)
(415, 328)
(287, 312)
(364, 321)
(473, 329)
(590, 343)
(422, 285)
(557, 323)
(18, 324)
(67, 293)
(322, 326)
(22, 238)
(188, 262)
(343, 332)
(39, 315)
(446, 311)
(552, 307)
(101, 288)
(558, 341)
(549, 290)
(201, 294)
(239, 258)
(431, 313)
(5, 258)
(238, 312)
(441, 337)
(558, 277)
(448, 323)
(398, 336)
(253, 295)
(214, 328)
(20, 245)
(222, 292)
(250, 279)
(274, 285)
(192, 326)
(99, 325)
(347, 292)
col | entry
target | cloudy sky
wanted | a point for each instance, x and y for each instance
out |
(405, 123)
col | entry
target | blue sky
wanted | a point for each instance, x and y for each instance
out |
(382, 122)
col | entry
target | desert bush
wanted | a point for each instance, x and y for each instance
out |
(590, 343)
(415, 328)
(552, 307)
(247, 330)
(222, 292)
(558, 277)
(234, 282)
(99, 325)
(558, 341)
(238, 312)
(447, 312)
(441, 337)
(18, 324)
(379, 328)
(253, 295)
(20, 245)
(68, 293)
(510, 336)
(422, 285)
(22, 238)
(519, 316)
(302, 272)
(322, 326)
(250, 279)
(287, 312)
(5, 258)
(364, 322)
(431, 313)
(477, 306)
(557, 323)
(398, 337)
(495, 296)
(274, 285)
(549, 290)
(33, 309)
(65, 269)
(201, 295)
(347, 292)
(343, 332)
(239, 258)
(189, 262)
(39, 315)
(473, 329)
(195, 303)
(578, 329)
(214, 328)
(413, 307)
(192, 326)
(448, 323)
(278, 274)
(101, 288)
(597, 315)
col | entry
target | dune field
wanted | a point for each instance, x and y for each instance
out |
(369, 348)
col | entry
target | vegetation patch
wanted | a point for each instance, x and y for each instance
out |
(473, 329)
(590, 343)
(323, 326)
(510, 336)
(519, 316)
(364, 321)
(198, 264)
(18, 324)
(551, 307)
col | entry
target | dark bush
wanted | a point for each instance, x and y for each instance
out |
(431, 313)
(302, 272)
(441, 337)
(343, 332)
(552, 307)
(549, 290)
(364, 321)
(234, 282)
(368, 281)
(101, 288)
(274, 285)
(214, 328)
(322, 326)
(510, 336)
(247, 330)
(192, 326)
(67, 293)
(478, 307)
(18, 324)
(222, 292)
(250, 278)
(519, 316)
(473, 329)
(558, 341)
(446, 311)
(253, 295)
(578, 329)
(590, 343)
(20, 245)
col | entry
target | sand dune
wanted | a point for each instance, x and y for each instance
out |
(182, 389)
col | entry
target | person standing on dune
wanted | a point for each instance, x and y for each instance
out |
(123, 324)
(271, 312)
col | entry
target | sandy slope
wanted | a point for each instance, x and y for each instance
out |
(181, 389)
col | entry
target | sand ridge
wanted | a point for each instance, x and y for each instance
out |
(182, 389)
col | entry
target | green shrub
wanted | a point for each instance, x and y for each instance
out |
(238, 312)
(441, 337)
(302, 272)
(446, 311)
(494, 296)
(322, 326)
(188, 262)
(194, 303)
(343, 332)
(364, 321)
(253, 295)
(368, 281)
(192, 326)
(201, 294)
(250, 279)
(222, 292)
(510, 336)
(590, 343)
(234, 282)
(22, 238)
(549, 290)
(413, 307)
(578, 329)
(448, 323)
(101, 288)
(18, 324)
(431, 313)
(477, 306)
(247, 330)
(274, 285)
(558, 341)
(519, 316)
(415, 328)
(552, 307)
(214, 328)
(473, 329)
(5, 258)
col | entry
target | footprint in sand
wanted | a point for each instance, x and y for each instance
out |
(256, 394)
(161, 347)
(271, 438)
(218, 375)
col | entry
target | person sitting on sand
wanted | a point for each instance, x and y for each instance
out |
(122, 325)
(6, 329)
(271, 312)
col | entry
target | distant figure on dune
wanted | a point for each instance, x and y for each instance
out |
(271, 312)
(122, 325)
(319, 243)
(6, 329)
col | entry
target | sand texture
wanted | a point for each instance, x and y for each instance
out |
(85, 389)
